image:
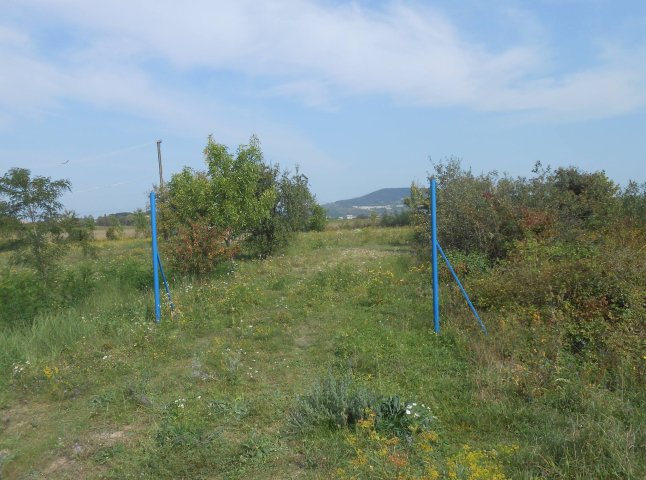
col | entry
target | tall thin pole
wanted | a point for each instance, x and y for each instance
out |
(153, 221)
(434, 245)
(161, 174)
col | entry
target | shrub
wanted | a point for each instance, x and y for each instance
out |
(239, 200)
(335, 402)
(399, 219)
(318, 219)
(338, 402)
(132, 273)
(22, 296)
(115, 230)
(198, 247)
(488, 212)
(401, 419)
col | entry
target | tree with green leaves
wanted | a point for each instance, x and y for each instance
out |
(142, 223)
(238, 203)
(115, 230)
(294, 210)
(207, 215)
(31, 212)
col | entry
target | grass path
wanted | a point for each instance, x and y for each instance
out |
(246, 343)
(210, 393)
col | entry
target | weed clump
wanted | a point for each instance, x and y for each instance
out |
(339, 402)
(334, 402)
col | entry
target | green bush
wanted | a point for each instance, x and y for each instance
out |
(132, 273)
(198, 248)
(339, 402)
(596, 299)
(76, 284)
(246, 205)
(401, 419)
(114, 231)
(487, 213)
(335, 402)
(399, 219)
(318, 219)
(22, 296)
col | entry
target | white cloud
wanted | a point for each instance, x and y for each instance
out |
(308, 50)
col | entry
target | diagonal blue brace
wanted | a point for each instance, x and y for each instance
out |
(161, 269)
(464, 292)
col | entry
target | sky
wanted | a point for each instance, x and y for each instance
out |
(361, 95)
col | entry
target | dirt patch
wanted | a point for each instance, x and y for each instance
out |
(61, 463)
(109, 438)
(303, 342)
(364, 253)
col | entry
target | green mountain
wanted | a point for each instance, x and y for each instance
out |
(385, 200)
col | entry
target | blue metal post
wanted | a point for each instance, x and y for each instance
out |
(436, 286)
(153, 221)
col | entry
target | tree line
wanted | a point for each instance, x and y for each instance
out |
(238, 205)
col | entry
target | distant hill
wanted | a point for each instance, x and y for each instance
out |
(386, 200)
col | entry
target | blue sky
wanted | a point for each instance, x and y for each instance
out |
(359, 94)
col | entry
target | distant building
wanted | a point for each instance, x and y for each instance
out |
(373, 207)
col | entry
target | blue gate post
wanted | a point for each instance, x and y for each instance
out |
(436, 286)
(153, 221)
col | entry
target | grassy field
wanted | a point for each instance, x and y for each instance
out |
(319, 363)
(100, 232)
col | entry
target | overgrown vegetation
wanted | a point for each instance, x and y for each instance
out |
(321, 362)
(239, 204)
(37, 233)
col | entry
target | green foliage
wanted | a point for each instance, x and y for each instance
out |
(238, 204)
(80, 231)
(238, 199)
(131, 273)
(339, 402)
(402, 419)
(22, 296)
(294, 210)
(318, 220)
(633, 202)
(142, 223)
(398, 219)
(30, 210)
(489, 212)
(518, 403)
(115, 230)
(197, 247)
(335, 402)
(589, 296)
(226, 202)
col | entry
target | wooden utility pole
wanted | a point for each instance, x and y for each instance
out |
(161, 175)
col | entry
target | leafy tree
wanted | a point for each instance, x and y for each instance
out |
(633, 202)
(227, 201)
(80, 230)
(31, 211)
(239, 201)
(142, 223)
(294, 210)
(115, 230)
(489, 213)
(318, 219)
